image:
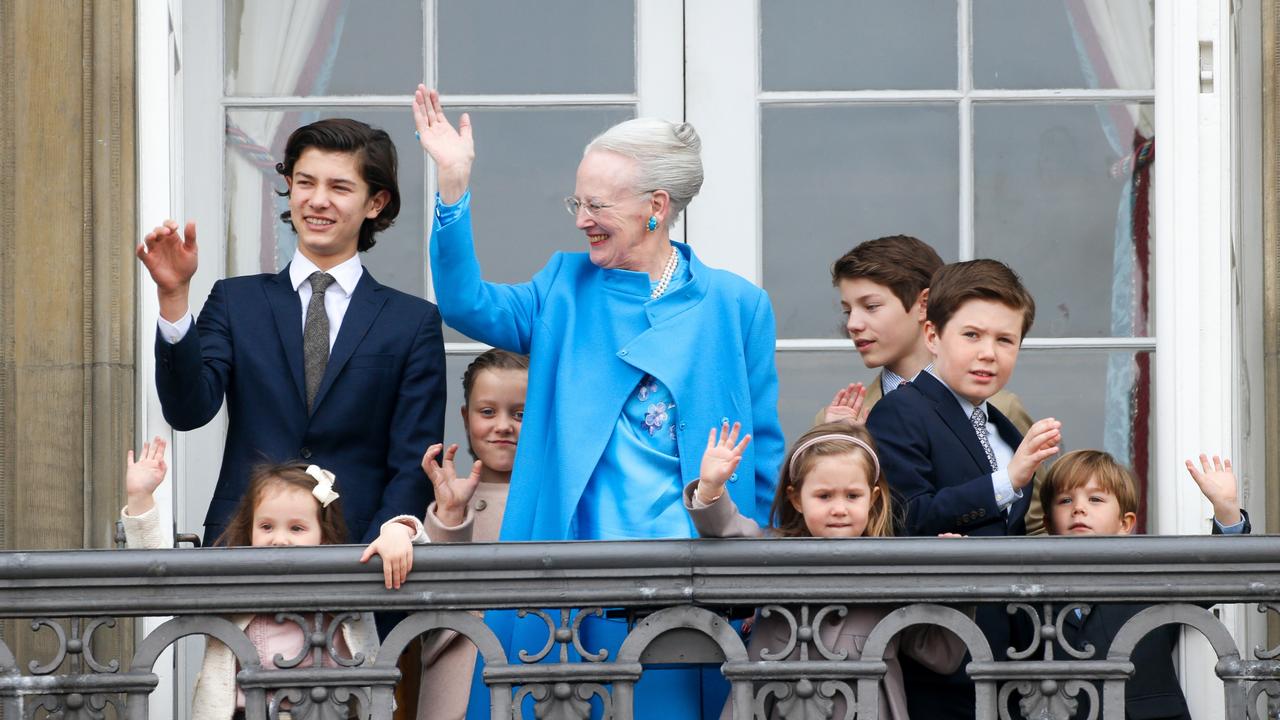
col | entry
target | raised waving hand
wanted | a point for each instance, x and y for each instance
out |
(847, 407)
(171, 258)
(452, 150)
(1218, 483)
(719, 461)
(144, 475)
(452, 492)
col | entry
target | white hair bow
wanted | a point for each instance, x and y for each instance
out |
(324, 485)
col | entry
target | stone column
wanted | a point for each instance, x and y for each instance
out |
(67, 273)
(1271, 267)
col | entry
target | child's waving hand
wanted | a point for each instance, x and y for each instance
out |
(452, 493)
(719, 461)
(846, 406)
(141, 478)
(1218, 483)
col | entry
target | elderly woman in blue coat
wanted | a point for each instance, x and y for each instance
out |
(637, 349)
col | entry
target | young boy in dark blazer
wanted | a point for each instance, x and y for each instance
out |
(884, 293)
(1087, 492)
(956, 462)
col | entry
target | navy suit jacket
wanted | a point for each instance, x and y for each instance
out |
(934, 463)
(1153, 692)
(380, 404)
(936, 467)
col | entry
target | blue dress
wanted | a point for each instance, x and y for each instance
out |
(586, 466)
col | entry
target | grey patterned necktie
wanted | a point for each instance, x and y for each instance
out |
(315, 335)
(979, 420)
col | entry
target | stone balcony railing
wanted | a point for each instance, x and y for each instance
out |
(677, 589)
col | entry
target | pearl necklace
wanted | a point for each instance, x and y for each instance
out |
(667, 272)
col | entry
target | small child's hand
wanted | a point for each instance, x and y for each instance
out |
(950, 535)
(1218, 483)
(452, 493)
(394, 544)
(719, 461)
(141, 478)
(846, 406)
(1040, 442)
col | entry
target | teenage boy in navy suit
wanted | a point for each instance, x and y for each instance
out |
(319, 361)
(955, 461)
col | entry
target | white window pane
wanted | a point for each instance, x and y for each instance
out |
(549, 46)
(838, 45)
(526, 162)
(1019, 44)
(259, 241)
(807, 381)
(454, 432)
(1104, 399)
(836, 176)
(1059, 197)
(322, 47)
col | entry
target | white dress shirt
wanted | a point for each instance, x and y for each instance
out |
(336, 298)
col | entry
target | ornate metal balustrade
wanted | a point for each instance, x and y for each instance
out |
(677, 590)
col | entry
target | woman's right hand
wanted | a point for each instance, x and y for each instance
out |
(452, 150)
(141, 478)
(452, 493)
(719, 461)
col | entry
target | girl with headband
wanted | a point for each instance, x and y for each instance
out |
(831, 486)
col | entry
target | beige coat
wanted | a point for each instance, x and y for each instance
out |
(932, 646)
(214, 696)
(448, 660)
(1007, 403)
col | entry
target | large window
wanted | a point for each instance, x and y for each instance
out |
(1006, 129)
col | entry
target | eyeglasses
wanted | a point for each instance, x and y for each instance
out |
(593, 206)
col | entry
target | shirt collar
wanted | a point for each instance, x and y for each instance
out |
(965, 405)
(890, 380)
(345, 274)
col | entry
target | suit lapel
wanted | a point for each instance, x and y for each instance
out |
(288, 316)
(366, 302)
(949, 411)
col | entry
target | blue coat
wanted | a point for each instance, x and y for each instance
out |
(592, 334)
(380, 404)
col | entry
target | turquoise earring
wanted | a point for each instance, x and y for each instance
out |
(653, 223)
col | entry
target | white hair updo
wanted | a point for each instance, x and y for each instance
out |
(668, 156)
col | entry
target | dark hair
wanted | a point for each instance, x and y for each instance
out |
(239, 531)
(375, 159)
(955, 284)
(902, 263)
(787, 520)
(491, 359)
(1076, 468)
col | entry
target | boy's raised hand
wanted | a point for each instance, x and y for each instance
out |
(394, 544)
(1218, 483)
(846, 406)
(1039, 444)
(171, 259)
(143, 476)
(452, 493)
(719, 461)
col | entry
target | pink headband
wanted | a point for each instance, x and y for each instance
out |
(795, 454)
